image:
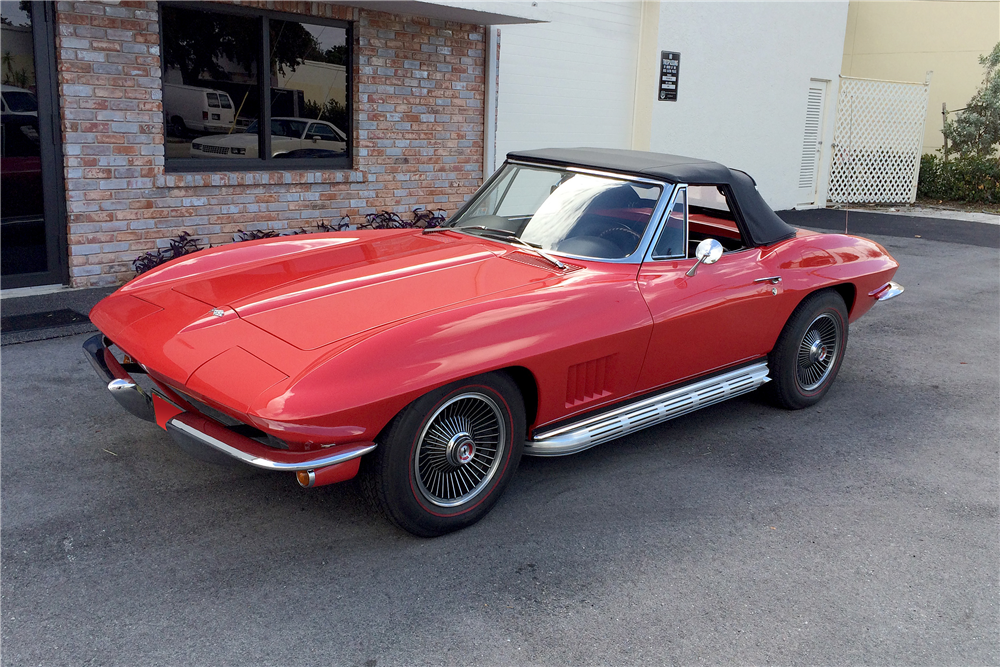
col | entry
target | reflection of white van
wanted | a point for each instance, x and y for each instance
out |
(190, 108)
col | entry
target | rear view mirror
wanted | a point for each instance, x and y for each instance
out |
(708, 252)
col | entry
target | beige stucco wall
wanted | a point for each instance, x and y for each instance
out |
(901, 41)
(320, 82)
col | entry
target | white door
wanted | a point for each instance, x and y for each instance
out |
(812, 142)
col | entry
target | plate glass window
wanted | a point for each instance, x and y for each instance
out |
(215, 92)
(309, 80)
(210, 89)
(33, 222)
(23, 224)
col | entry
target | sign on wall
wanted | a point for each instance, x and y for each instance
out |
(670, 70)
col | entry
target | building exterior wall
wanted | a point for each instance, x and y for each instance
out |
(571, 81)
(647, 74)
(418, 136)
(901, 41)
(745, 72)
(589, 78)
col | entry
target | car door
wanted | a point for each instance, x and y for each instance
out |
(322, 136)
(286, 135)
(720, 316)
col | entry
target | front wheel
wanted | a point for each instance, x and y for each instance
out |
(810, 349)
(445, 460)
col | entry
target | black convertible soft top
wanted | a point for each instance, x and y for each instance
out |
(762, 225)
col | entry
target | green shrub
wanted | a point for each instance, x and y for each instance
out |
(967, 178)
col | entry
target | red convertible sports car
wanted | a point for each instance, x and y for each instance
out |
(580, 295)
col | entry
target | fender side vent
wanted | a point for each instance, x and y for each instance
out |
(590, 380)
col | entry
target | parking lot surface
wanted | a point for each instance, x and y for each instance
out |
(861, 531)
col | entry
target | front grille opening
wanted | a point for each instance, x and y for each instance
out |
(140, 377)
(234, 425)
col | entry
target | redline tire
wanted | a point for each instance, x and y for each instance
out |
(445, 460)
(809, 351)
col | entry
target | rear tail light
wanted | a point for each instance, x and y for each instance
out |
(204, 115)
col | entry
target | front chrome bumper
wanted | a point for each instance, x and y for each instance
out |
(189, 427)
(128, 394)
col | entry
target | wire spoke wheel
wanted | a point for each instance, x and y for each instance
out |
(460, 449)
(818, 351)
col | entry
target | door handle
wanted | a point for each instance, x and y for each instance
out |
(774, 280)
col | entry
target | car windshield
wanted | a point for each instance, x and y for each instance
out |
(563, 211)
(20, 101)
(282, 127)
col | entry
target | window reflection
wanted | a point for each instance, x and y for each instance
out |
(210, 92)
(22, 216)
(309, 80)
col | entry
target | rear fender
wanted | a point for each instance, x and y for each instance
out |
(852, 265)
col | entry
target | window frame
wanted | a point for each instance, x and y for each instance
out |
(678, 189)
(265, 161)
(731, 203)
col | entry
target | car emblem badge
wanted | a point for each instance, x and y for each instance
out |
(218, 312)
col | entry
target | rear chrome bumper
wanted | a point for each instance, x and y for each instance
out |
(189, 427)
(888, 291)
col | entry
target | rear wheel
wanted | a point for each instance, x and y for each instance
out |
(805, 361)
(445, 460)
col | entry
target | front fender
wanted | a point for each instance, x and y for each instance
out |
(357, 391)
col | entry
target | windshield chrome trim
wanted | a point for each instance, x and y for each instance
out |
(594, 172)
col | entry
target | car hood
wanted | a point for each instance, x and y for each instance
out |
(309, 291)
(241, 140)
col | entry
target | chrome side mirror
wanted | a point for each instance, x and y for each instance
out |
(708, 252)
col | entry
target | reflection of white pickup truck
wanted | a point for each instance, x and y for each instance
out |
(287, 135)
(190, 108)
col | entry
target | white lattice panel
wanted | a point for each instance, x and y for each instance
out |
(877, 141)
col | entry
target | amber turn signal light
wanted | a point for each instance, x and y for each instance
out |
(338, 472)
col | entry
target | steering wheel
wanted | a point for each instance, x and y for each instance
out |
(590, 246)
(615, 235)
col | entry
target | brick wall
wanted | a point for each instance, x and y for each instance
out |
(418, 136)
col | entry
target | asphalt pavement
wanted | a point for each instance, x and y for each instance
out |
(861, 531)
(870, 223)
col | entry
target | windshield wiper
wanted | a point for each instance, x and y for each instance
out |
(538, 251)
(503, 235)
